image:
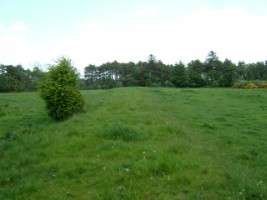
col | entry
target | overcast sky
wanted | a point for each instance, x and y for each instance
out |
(98, 31)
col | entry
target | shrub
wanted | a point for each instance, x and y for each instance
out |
(257, 82)
(236, 85)
(59, 91)
(215, 84)
(262, 85)
(251, 86)
(240, 84)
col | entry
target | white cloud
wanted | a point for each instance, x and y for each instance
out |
(145, 13)
(19, 27)
(231, 32)
(15, 48)
(2, 28)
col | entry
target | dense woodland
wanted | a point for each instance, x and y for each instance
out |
(151, 73)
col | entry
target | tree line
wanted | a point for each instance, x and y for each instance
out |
(151, 73)
(17, 79)
(211, 73)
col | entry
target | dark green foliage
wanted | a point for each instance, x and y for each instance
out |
(114, 74)
(194, 71)
(179, 78)
(154, 73)
(17, 79)
(212, 69)
(226, 74)
(59, 91)
(12, 78)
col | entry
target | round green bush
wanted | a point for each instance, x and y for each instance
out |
(59, 91)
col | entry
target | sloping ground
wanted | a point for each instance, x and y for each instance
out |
(137, 143)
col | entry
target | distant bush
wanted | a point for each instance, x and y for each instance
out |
(262, 85)
(243, 84)
(256, 82)
(215, 84)
(155, 85)
(251, 86)
(240, 84)
(59, 91)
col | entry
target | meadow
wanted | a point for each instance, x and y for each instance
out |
(137, 143)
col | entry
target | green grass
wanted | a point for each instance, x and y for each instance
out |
(137, 143)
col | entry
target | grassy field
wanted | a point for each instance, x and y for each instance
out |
(137, 143)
